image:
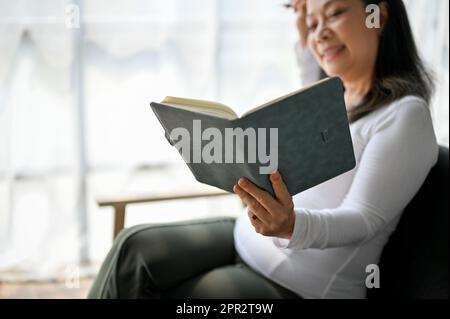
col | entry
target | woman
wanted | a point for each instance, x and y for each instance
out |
(318, 243)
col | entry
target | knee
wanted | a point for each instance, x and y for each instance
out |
(129, 242)
(120, 275)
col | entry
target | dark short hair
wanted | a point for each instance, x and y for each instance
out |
(399, 70)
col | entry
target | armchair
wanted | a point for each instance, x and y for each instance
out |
(120, 204)
(414, 262)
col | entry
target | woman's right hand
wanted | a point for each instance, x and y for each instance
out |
(299, 7)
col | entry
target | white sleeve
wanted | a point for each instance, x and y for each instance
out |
(394, 165)
(309, 69)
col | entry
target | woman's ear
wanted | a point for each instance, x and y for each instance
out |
(384, 15)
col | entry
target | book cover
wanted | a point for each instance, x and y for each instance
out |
(305, 135)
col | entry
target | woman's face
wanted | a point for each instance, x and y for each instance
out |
(339, 38)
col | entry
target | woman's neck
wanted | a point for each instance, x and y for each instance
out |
(355, 91)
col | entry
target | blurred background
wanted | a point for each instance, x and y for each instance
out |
(76, 80)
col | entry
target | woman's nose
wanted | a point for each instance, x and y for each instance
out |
(323, 32)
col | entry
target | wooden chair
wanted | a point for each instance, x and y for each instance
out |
(120, 204)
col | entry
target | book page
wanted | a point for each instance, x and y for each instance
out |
(201, 106)
(221, 110)
(283, 97)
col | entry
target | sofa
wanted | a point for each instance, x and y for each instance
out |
(414, 262)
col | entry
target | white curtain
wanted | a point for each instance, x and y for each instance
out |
(74, 107)
(429, 20)
(38, 228)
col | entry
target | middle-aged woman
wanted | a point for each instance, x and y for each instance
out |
(316, 244)
(321, 241)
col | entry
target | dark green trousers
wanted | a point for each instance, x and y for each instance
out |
(194, 259)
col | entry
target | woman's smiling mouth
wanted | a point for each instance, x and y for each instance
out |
(330, 53)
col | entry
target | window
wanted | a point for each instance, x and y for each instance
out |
(75, 122)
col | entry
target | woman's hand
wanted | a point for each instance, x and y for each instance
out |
(270, 216)
(299, 7)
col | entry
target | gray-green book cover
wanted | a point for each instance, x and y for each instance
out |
(305, 135)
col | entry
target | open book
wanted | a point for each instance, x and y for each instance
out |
(304, 134)
(219, 109)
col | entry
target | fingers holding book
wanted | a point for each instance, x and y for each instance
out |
(271, 216)
(281, 190)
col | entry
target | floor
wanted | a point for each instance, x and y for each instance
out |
(45, 290)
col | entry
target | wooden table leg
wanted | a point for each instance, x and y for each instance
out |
(119, 218)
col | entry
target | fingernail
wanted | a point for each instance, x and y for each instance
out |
(242, 182)
(275, 176)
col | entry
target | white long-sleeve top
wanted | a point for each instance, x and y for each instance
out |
(308, 67)
(342, 225)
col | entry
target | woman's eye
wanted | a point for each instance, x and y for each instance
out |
(312, 27)
(336, 13)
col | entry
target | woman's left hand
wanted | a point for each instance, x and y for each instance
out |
(271, 216)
